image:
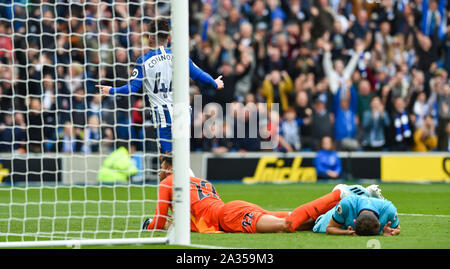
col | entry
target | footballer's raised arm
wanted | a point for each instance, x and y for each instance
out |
(162, 207)
(199, 75)
(134, 85)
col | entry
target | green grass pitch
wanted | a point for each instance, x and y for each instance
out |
(424, 215)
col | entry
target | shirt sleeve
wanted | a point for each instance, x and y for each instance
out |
(340, 212)
(329, 71)
(393, 217)
(135, 83)
(351, 66)
(199, 75)
(162, 206)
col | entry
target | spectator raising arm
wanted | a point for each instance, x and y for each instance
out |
(338, 74)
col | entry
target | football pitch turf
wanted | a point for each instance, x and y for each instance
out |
(424, 213)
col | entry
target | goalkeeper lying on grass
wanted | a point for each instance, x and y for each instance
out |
(209, 214)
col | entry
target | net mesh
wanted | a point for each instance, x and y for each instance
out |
(58, 135)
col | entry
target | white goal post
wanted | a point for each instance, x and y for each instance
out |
(34, 212)
(181, 128)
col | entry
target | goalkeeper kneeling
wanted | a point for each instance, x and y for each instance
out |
(117, 167)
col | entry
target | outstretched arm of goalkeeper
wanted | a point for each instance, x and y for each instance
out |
(161, 219)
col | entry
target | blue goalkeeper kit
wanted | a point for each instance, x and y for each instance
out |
(153, 71)
(349, 208)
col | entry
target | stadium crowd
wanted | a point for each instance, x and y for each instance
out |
(370, 76)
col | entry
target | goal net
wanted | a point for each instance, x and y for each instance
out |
(78, 167)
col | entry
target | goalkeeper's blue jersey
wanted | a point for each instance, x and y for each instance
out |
(153, 71)
(349, 208)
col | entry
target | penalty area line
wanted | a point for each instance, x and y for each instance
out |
(423, 215)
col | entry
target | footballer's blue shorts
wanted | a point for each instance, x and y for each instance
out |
(165, 138)
(163, 134)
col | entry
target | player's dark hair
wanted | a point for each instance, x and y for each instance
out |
(367, 224)
(161, 29)
(167, 159)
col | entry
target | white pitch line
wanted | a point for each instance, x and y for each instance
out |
(401, 214)
(209, 247)
(424, 215)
